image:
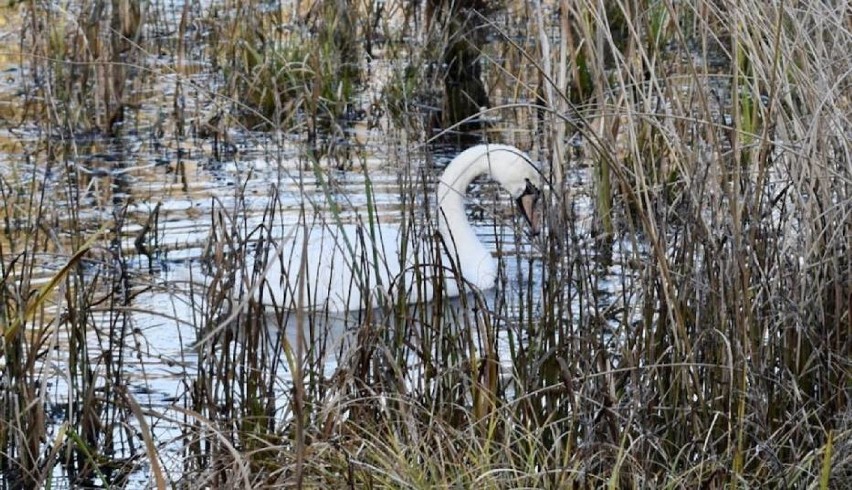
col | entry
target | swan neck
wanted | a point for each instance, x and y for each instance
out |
(452, 220)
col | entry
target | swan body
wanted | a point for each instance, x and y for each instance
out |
(342, 262)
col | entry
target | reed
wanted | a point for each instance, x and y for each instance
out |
(684, 321)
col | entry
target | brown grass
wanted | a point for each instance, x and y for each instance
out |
(684, 323)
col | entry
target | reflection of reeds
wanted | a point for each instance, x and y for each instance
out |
(696, 334)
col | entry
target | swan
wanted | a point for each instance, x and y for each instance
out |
(342, 262)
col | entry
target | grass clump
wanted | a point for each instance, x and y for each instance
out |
(294, 74)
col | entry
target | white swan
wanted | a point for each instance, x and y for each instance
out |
(344, 261)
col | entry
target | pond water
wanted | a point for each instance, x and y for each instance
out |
(152, 203)
(684, 298)
(162, 321)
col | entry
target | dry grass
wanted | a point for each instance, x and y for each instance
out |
(687, 325)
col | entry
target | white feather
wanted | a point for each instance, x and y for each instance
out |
(344, 261)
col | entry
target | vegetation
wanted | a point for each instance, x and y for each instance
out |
(685, 322)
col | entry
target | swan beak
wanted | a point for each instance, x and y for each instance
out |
(528, 205)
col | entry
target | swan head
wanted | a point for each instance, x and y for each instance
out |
(510, 167)
(516, 173)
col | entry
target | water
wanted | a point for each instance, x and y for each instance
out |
(160, 324)
(157, 328)
(156, 197)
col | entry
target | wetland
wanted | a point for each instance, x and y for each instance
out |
(682, 321)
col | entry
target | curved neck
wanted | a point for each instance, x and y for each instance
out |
(453, 225)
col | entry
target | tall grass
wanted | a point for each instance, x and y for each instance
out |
(684, 321)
